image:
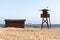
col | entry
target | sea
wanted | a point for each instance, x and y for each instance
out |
(37, 25)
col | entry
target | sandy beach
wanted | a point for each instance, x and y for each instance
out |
(29, 34)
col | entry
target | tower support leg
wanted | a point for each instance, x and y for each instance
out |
(45, 21)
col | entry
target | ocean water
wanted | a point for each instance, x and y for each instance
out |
(37, 25)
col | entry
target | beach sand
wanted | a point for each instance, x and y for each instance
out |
(29, 34)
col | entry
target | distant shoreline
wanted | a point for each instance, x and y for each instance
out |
(37, 25)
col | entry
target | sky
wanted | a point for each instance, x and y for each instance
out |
(29, 10)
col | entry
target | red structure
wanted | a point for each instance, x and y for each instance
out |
(18, 23)
(45, 18)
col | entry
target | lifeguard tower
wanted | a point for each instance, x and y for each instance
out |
(45, 18)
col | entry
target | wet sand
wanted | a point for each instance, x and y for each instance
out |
(29, 34)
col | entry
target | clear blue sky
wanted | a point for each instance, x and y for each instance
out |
(29, 10)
